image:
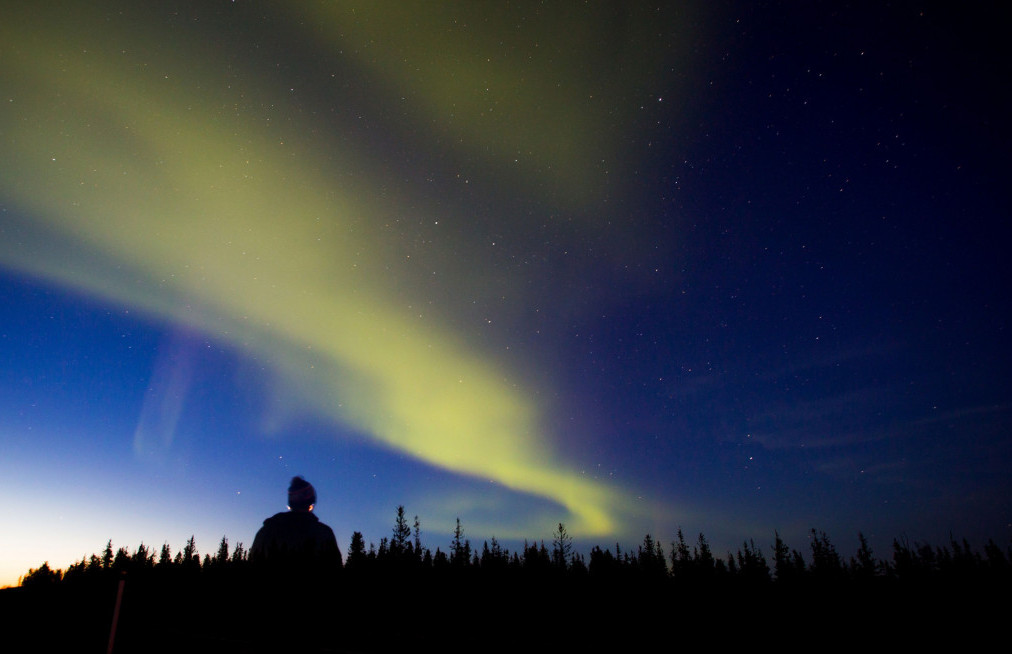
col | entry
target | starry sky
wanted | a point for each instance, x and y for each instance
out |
(732, 267)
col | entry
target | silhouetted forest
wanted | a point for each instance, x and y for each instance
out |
(400, 594)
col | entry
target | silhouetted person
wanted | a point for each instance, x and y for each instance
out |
(297, 538)
(296, 562)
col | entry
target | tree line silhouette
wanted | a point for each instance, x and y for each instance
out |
(403, 553)
(535, 589)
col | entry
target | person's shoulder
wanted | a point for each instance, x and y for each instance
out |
(275, 519)
(272, 525)
(325, 533)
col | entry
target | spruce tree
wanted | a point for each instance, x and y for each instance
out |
(562, 547)
(221, 557)
(191, 558)
(826, 564)
(418, 538)
(460, 547)
(239, 553)
(165, 556)
(702, 557)
(864, 566)
(782, 564)
(402, 534)
(681, 561)
(356, 552)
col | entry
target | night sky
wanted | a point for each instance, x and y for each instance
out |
(734, 267)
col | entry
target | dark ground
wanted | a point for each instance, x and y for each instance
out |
(374, 616)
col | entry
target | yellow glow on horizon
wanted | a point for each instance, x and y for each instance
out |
(142, 185)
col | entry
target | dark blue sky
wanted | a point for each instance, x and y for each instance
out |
(735, 268)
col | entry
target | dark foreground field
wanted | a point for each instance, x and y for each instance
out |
(250, 614)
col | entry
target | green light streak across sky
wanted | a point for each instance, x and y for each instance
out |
(146, 183)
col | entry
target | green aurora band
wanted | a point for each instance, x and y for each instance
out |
(132, 172)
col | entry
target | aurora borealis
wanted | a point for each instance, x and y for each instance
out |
(520, 263)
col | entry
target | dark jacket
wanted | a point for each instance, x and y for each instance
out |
(296, 537)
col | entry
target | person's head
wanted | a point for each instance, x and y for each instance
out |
(301, 495)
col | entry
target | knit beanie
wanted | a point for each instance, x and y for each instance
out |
(301, 494)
